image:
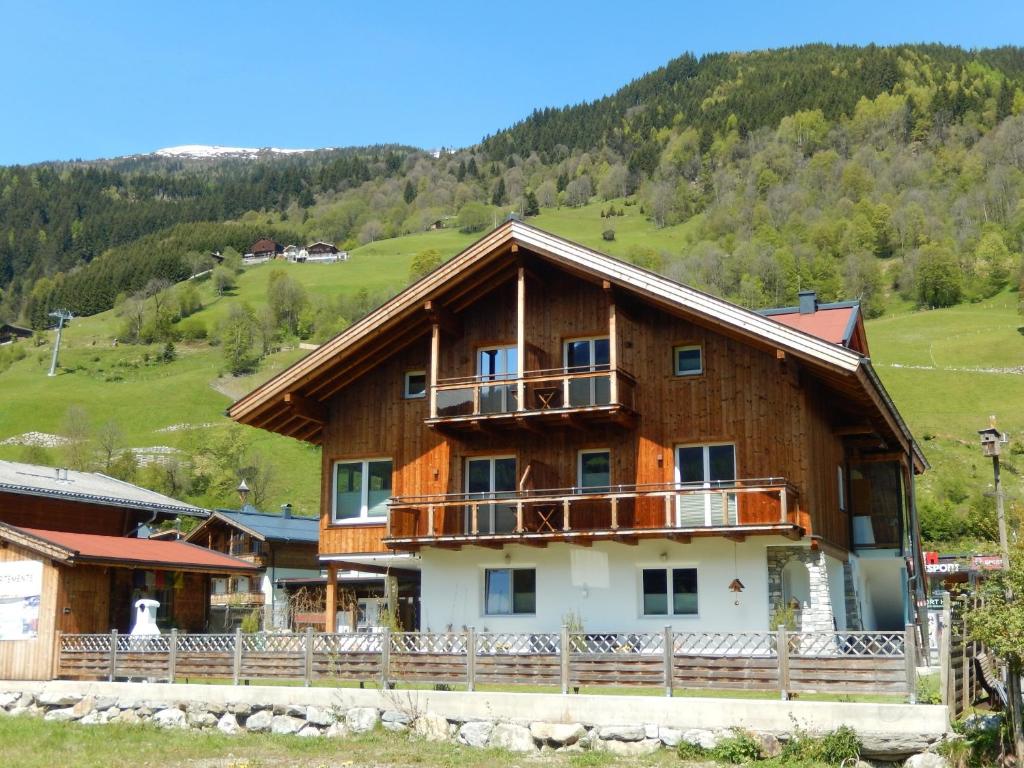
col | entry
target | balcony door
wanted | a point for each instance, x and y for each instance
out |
(588, 356)
(497, 364)
(491, 477)
(705, 468)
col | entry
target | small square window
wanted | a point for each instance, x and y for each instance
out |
(510, 591)
(689, 361)
(415, 385)
(669, 591)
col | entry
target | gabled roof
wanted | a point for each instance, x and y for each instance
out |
(72, 548)
(91, 487)
(290, 402)
(16, 330)
(263, 526)
(266, 245)
(839, 322)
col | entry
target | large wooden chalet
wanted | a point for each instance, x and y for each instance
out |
(544, 431)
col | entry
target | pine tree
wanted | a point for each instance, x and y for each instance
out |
(532, 207)
(499, 192)
(410, 191)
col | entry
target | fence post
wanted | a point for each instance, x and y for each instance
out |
(563, 647)
(172, 655)
(385, 658)
(471, 659)
(945, 630)
(910, 652)
(309, 657)
(669, 652)
(113, 654)
(237, 667)
(782, 653)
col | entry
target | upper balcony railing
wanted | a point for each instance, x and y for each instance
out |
(680, 511)
(602, 393)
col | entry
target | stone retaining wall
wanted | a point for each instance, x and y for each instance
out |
(528, 723)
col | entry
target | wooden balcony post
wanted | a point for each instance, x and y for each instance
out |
(430, 520)
(615, 513)
(331, 608)
(521, 339)
(725, 508)
(784, 504)
(613, 350)
(565, 515)
(474, 522)
(435, 353)
(519, 517)
(668, 511)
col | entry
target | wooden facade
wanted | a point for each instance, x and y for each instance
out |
(799, 411)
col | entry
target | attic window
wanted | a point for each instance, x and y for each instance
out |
(689, 360)
(415, 385)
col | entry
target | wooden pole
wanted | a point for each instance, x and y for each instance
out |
(669, 643)
(782, 652)
(331, 608)
(945, 670)
(613, 351)
(236, 673)
(308, 676)
(172, 655)
(910, 654)
(521, 339)
(113, 655)
(385, 657)
(564, 658)
(435, 353)
(471, 659)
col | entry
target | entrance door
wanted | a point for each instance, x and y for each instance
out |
(705, 467)
(585, 356)
(497, 364)
(492, 477)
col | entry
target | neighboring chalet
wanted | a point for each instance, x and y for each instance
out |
(320, 248)
(266, 249)
(281, 546)
(543, 431)
(71, 561)
(10, 333)
(292, 252)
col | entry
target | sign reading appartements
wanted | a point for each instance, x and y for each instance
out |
(21, 584)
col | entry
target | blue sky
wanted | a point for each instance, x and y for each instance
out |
(100, 79)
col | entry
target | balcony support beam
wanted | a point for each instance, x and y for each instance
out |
(435, 353)
(613, 344)
(520, 337)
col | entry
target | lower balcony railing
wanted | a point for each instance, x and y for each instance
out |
(733, 509)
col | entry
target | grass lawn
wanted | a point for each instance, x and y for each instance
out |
(29, 742)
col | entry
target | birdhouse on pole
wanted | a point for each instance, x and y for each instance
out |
(991, 441)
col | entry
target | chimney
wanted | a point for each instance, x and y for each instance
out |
(286, 510)
(808, 302)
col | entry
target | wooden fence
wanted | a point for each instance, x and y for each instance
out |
(788, 662)
(959, 682)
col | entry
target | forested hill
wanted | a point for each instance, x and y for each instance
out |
(758, 89)
(863, 172)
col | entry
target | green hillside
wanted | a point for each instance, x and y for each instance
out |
(947, 370)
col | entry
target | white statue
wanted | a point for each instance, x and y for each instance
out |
(145, 618)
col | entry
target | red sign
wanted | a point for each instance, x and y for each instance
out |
(987, 562)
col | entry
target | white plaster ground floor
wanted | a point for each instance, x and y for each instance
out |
(616, 587)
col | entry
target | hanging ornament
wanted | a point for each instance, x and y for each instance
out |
(735, 585)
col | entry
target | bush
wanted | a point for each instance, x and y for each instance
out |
(252, 623)
(192, 329)
(741, 748)
(608, 234)
(689, 751)
(928, 689)
(832, 748)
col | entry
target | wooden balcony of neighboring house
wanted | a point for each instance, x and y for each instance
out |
(259, 559)
(623, 513)
(537, 399)
(238, 598)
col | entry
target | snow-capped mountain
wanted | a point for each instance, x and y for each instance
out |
(205, 151)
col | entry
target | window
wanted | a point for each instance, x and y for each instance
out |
(497, 364)
(509, 591)
(491, 477)
(669, 591)
(689, 360)
(594, 471)
(705, 467)
(586, 356)
(361, 489)
(220, 586)
(415, 385)
(841, 487)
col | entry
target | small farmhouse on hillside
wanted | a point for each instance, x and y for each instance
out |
(320, 248)
(281, 546)
(71, 561)
(10, 333)
(543, 431)
(266, 249)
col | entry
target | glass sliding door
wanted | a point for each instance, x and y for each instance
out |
(705, 467)
(586, 356)
(497, 364)
(492, 477)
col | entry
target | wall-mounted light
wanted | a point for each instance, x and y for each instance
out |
(663, 556)
(661, 459)
(508, 558)
(437, 473)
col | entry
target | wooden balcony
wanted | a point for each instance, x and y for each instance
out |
(238, 598)
(624, 513)
(550, 397)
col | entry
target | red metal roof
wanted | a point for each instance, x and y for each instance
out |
(829, 324)
(178, 555)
